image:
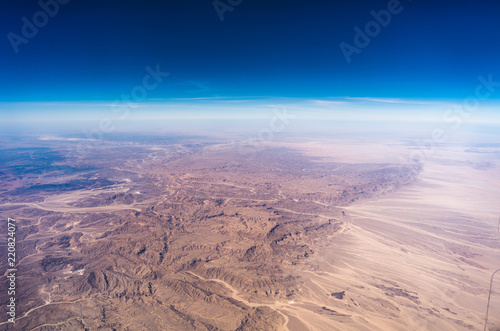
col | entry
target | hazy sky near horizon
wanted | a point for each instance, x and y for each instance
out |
(92, 53)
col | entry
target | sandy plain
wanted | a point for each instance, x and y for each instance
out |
(308, 236)
(418, 258)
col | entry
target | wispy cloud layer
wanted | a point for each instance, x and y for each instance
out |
(392, 100)
(222, 107)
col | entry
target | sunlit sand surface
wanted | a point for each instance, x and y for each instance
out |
(419, 258)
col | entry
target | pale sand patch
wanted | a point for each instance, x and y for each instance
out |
(419, 258)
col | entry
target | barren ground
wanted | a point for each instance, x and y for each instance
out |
(307, 234)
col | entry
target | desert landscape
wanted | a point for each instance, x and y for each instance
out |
(188, 233)
(234, 165)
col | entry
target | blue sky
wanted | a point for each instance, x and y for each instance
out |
(92, 53)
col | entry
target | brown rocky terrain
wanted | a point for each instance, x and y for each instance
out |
(205, 238)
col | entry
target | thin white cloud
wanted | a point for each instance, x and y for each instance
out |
(63, 139)
(328, 102)
(392, 100)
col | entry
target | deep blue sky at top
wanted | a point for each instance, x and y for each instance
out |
(96, 50)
